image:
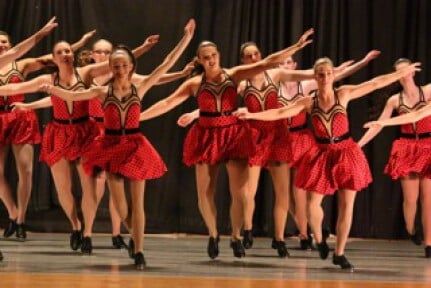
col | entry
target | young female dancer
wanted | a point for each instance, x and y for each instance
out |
(219, 136)
(20, 130)
(301, 138)
(327, 167)
(122, 151)
(410, 159)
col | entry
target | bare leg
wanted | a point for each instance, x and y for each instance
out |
(89, 199)
(426, 210)
(206, 181)
(346, 201)
(5, 192)
(116, 188)
(137, 189)
(300, 196)
(280, 179)
(24, 163)
(315, 215)
(249, 205)
(61, 173)
(410, 187)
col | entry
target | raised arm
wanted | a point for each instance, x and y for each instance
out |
(180, 95)
(38, 104)
(23, 47)
(83, 41)
(242, 72)
(146, 46)
(374, 130)
(275, 114)
(166, 78)
(350, 92)
(170, 59)
(25, 87)
(68, 95)
(351, 69)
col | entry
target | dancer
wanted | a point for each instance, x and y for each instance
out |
(20, 129)
(327, 167)
(410, 158)
(219, 136)
(122, 151)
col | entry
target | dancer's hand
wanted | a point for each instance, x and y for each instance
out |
(411, 69)
(374, 124)
(151, 41)
(45, 88)
(190, 27)
(88, 35)
(242, 113)
(48, 27)
(187, 70)
(303, 40)
(373, 54)
(186, 119)
(19, 106)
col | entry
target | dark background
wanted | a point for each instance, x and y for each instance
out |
(344, 30)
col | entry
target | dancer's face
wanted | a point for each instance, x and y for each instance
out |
(102, 49)
(324, 74)
(4, 44)
(209, 58)
(408, 76)
(63, 54)
(288, 64)
(121, 65)
(251, 54)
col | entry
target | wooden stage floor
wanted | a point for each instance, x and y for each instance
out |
(45, 260)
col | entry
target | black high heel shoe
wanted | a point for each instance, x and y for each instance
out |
(212, 247)
(237, 248)
(247, 240)
(281, 248)
(10, 229)
(416, 238)
(428, 252)
(75, 240)
(323, 249)
(326, 232)
(86, 246)
(306, 244)
(131, 248)
(118, 242)
(140, 263)
(1, 256)
(342, 261)
(21, 232)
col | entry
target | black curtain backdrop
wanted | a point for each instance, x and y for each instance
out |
(345, 29)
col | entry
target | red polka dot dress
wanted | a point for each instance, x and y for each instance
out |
(217, 136)
(270, 138)
(122, 149)
(411, 153)
(301, 138)
(16, 127)
(71, 131)
(336, 162)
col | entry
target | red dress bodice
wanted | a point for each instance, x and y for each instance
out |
(297, 120)
(11, 76)
(121, 114)
(419, 127)
(257, 100)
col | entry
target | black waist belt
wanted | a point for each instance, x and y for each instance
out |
(72, 120)
(98, 119)
(5, 108)
(415, 136)
(122, 131)
(298, 128)
(215, 114)
(333, 140)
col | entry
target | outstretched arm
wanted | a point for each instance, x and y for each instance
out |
(39, 104)
(166, 78)
(84, 40)
(288, 75)
(23, 47)
(68, 95)
(170, 59)
(242, 72)
(276, 114)
(351, 69)
(146, 46)
(25, 87)
(374, 130)
(350, 92)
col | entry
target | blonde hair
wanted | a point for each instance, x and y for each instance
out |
(322, 61)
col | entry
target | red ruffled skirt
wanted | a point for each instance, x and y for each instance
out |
(213, 140)
(300, 142)
(19, 127)
(131, 156)
(271, 143)
(326, 168)
(68, 141)
(409, 156)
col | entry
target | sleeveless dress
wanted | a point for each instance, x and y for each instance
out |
(301, 138)
(122, 149)
(411, 153)
(336, 162)
(16, 127)
(217, 136)
(71, 131)
(270, 138)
